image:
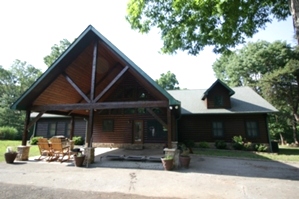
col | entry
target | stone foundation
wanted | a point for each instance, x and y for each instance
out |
(23, 153)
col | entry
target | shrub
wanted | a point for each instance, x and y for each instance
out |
(261, 147)
(189, 143)
(247, 146)
(238, 142)
(220, 144)
(8, 133)
(34, 140)
(78, 140)
(204, 145)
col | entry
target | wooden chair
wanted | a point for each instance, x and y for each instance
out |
(59, 149)
(44, 149)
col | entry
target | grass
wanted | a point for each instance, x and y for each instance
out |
(285, 154)
(34, 151)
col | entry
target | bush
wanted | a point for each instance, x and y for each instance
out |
(78, 140)
(238, 142)
(8, 133)
(261, 147)
(203, 145)
(34, 140)
(220, 144)
(189, 143)
(247, 146)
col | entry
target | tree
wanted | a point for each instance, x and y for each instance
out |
(190, 25)
(281, 87)
(57, 50)
(245, 67)
(13, 83)
(168, 81)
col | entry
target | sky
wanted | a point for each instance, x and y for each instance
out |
(30, 28)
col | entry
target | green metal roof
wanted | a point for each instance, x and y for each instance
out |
(87, 36)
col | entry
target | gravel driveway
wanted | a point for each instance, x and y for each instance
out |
(207, 177)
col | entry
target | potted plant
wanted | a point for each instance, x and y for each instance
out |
(10, 155)
(79, 159)
(184, 156)
(167, 162)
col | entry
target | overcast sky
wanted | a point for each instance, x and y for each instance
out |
(30, 28)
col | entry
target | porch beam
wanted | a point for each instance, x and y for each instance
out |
(74, 85)
(101, 105)
(35, 120)
(157, 117)
(111, 83)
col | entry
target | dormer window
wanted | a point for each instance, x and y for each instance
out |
(218, 101)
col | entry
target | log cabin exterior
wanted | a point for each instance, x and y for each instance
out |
(100, 93)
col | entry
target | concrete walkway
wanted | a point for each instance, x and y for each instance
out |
(207, 177)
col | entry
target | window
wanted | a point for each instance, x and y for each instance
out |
(108, 125)
(218, 101)
(217, 129)
(251, 129)
(52, 129)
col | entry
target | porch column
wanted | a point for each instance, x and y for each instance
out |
(72, 127)
(25, 132)
(90, 128)
(23, 150)
(169, 131)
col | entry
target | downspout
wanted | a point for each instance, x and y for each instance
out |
(267, 128)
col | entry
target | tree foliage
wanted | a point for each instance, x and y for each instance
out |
(245, 67)
(190, 25)
(56, 51)
(168, 81)
(281, 87)
(13, 83)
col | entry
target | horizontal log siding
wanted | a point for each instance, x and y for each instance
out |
(199, 127)
(123, 128)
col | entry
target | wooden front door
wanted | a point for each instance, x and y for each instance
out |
(138, 131)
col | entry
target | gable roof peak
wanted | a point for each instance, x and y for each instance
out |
(218, 81)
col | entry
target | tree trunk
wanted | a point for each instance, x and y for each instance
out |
(295, 132)
(294, 9)
(281, 139)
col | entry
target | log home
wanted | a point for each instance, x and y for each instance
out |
(104, 96)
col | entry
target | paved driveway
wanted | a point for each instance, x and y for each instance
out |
(207, 177)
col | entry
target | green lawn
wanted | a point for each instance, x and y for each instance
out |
(15, 143)
(285, 154)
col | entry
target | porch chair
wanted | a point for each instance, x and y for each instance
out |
(44, 149)
(59, 149)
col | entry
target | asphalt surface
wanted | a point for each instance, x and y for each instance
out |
(207, 177)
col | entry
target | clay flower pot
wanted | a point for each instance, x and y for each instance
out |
(10, 157)
(167, 163)
(184, 161)
(78, 160)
